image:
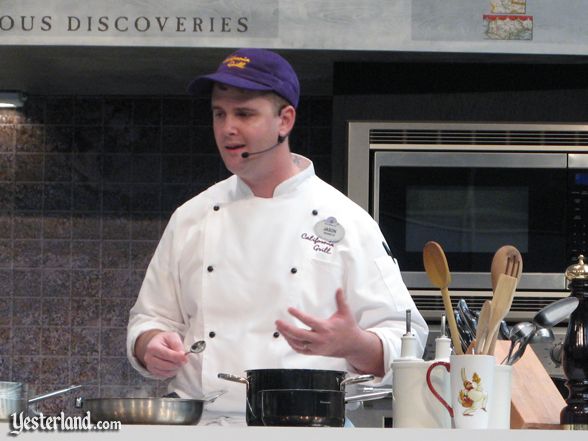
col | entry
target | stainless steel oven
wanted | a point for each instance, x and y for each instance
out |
(473, 188)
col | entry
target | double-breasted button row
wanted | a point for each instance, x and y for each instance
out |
(210, 269)
(212, 334)
(216, 207)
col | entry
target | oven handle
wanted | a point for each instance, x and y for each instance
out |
(578, 160)
(474, 159)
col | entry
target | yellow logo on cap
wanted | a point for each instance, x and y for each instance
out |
(235, 61)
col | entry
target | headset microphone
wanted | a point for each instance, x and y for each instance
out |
(281, 139)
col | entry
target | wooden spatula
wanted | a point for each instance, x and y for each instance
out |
(502, 299)
(483, 320)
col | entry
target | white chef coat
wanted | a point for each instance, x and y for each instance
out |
(229, 264)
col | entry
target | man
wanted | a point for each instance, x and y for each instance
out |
(272, 267)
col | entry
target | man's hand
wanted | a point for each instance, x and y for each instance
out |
(161, 352)
(336, 336)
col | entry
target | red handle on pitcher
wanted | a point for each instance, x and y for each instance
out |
(432, 388)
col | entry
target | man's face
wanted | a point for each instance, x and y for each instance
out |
(244, 121)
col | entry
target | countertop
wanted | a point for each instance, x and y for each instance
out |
(208, 433)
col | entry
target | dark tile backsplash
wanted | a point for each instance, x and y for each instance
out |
(87, 185)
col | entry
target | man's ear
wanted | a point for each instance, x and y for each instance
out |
(288, 116)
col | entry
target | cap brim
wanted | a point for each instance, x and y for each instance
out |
(203, 85)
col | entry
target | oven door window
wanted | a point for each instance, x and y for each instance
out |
(472, 212)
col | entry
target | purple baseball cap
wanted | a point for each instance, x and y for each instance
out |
(252, 69)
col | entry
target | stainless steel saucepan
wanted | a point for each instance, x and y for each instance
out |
(14, 399)
(166, 410)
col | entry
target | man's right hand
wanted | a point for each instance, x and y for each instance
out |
(161, 352)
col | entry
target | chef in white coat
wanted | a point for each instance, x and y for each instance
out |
(272, 267)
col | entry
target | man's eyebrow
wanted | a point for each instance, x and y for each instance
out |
(238, 109)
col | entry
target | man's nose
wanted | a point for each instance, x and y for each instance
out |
(229, 125)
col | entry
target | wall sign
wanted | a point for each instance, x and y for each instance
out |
(112, 22)
(507, 26)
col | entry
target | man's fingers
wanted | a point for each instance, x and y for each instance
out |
(164, 373)
(300, 346)
(294, 333)
(173, 341)
(165, 361)
(309, 320)
(297, 345)
(176, 357)
(342, 306)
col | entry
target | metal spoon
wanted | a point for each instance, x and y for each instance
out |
(518, 334)
(197, 347)
(465, 335)
(539, 335)
(438, 271)
(555, 312)
(469, 319)
(542, 335)
(546, 318)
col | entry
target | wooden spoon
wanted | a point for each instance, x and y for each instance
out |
(438, 271)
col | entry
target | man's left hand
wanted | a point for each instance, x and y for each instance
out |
(332, 337)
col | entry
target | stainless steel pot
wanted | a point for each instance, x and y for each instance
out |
(258, 380)
(13, 398)
(308, 407)
(172, 411)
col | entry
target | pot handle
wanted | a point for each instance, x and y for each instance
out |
(358, 379)
(235, 378)
(53, 394)
(214, 395)
(386, 393)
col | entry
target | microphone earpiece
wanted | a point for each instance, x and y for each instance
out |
(281, 139)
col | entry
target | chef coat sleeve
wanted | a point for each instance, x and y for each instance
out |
(158, 305)
(379, 297)
(393, 328)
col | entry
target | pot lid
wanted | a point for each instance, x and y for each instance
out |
(578, 270)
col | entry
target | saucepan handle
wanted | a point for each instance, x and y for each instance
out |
(234, 378)
(214, 395)
(432, 388)
(358, 379)
(53, 394)
(237, 379)
(369, 396)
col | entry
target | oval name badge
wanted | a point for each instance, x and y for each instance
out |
(329, 229)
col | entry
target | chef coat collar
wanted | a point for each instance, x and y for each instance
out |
(287, 186)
